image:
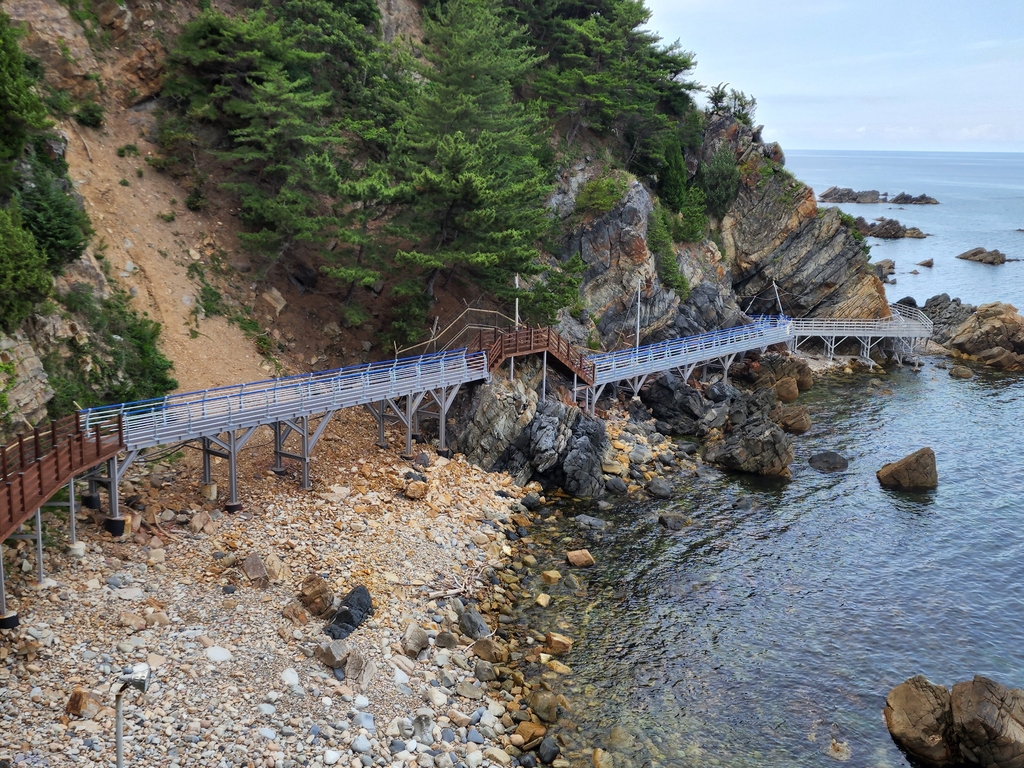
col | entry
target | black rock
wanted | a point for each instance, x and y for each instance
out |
(616, 485)
(659, 488)
(229, 590)
(339, 673)
(527, 761)
(472, 624)
(410, 475)
(672, 522)
(423, 459)
(356, 606)
(531, 501)
(686, 448)
(829, 461)
(548, 750)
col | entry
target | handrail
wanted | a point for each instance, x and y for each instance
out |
(36, 469)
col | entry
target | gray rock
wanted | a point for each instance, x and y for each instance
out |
(828, 461)
(473, 625)
(414, 640)
(446, 640)
(592, 523)
(333, 654)
(361, 744)
(659, 488)
(484, 671)
(920, 720)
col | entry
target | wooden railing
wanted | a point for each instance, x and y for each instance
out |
(36, 465)
(500, 345)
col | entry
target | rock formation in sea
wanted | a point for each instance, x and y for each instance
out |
(914, 472)
(982, 256)
(871, 196)
(992, 333)
(886, 229)
(978, 724)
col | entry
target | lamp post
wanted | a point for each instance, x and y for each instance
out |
(138, 677)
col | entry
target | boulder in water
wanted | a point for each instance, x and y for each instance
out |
(988, 720)
(759, 447)
(920, 719)
(980, 255)
(914, 472)
(961, 372)
(786, 389)
(828, 461)
(659, 488)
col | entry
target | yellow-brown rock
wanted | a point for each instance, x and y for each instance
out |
(580, 558)
(557, 644)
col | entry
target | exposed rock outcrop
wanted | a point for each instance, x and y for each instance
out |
(981, 256)
(57, 40)
(847, 195)
(980, 723)
(919, 717)
(886, 229)
(774, 236)
(23, 384)
(992, 333)
(759, 447)
(914, 472)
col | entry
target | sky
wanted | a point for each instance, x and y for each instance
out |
(899, 75)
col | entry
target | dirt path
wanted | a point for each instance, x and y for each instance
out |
(150, 256)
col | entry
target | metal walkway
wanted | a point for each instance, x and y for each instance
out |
(904, 332)
(105, 441)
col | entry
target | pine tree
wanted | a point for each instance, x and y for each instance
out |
(672, 184)
(472, 153)
(720, 181)
(24, 279)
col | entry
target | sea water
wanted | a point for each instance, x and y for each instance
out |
(770, 629)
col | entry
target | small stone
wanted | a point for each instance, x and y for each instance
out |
(268, 733)
(290, 677)
(414, 640)
(551, 577)
(557, 645)
(132, 621)
(472, 624)
(333, 654)
(446, 640)
(416, 489)
(543, 600)
(498, 756)
(548, 750)
(491, 650)
(215, 654)
(254, 568)
(331, 756)
(361, 744)
(580, 558)
(469, 690)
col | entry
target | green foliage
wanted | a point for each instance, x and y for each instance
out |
(558, 288)
(128, 150)
(850, 223)
(720, 181)
(692, 224)
(21, 110)
(659, 241)
(60, 227)
(126, 362)
(729, 101)
(24, 279)
(408, 314)
(672, 183)
(90, 114)
(475, 187)
(601, 194)
(606, 72)
(124, 183)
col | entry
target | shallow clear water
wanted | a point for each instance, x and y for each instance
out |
(755, 636)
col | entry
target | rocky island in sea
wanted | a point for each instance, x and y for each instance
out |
(872, 196)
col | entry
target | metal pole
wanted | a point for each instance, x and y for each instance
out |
(517, 301)
(544, 378)
(119, 728)
(71, 509)
(638, 283)
(777, 299)
(39, 545)
(3, 592)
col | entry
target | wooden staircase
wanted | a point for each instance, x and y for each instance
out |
(36, 465)
(501, 344)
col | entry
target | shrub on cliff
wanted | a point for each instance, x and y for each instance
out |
(60, 227)
(24, 280)
(21, 109)
(720, 181)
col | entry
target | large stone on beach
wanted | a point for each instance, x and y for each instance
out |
(920, 720)
(473, 625)
(786, 389)
(916, 471)
(795, 419)
(988, 719)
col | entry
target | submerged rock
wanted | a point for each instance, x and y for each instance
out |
(828, 461)
(914, 472)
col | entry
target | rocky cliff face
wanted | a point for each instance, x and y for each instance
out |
(774, 233)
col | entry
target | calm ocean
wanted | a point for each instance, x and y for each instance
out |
(778, 621)
(981, 198)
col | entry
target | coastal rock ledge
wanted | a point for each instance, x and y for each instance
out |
(978, 724)
(914, 472)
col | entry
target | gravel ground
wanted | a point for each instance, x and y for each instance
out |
(235, 681)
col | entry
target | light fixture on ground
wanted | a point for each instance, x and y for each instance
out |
(138, 677)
